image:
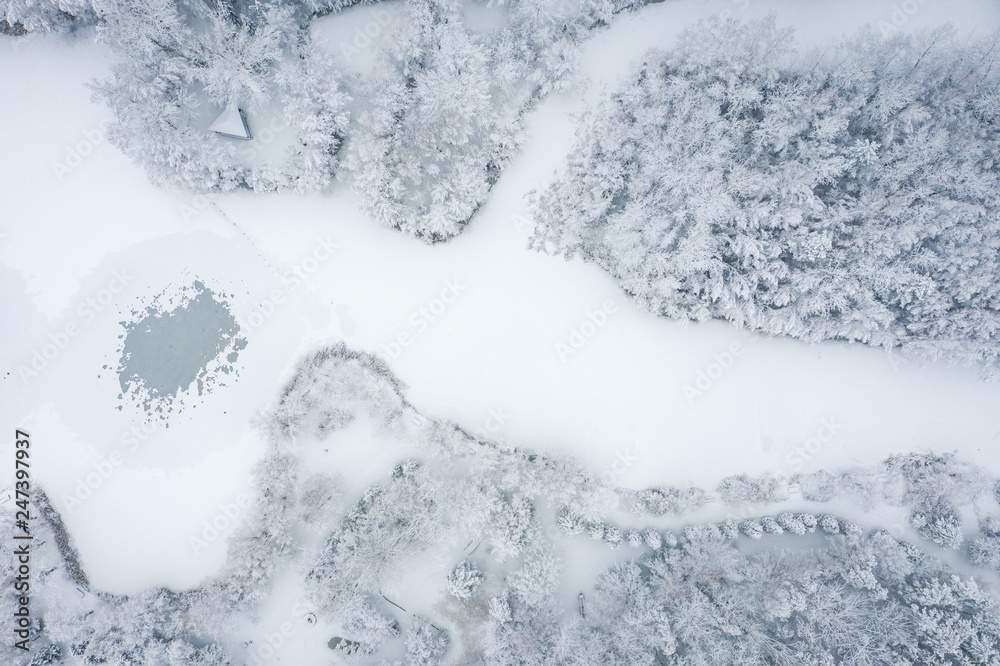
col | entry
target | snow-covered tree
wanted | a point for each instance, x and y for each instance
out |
(464, 579)
(425, 644)
(662, 500)
(743, 489)
(47, 15)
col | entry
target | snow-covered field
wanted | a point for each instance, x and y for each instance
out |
(509, 343)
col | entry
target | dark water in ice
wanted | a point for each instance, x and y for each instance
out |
(166, 352)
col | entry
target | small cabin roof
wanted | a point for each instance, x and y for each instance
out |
(231, 123)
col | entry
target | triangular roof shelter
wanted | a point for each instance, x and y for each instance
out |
(232, 123)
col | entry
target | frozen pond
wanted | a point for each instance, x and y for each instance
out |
(166, 352)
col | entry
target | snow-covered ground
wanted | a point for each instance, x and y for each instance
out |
(478, 328)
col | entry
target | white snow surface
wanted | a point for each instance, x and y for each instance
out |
(76, 212)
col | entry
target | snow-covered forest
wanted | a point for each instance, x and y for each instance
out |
(426, 367)
(848, 193)
(422, 137)
(735, 590)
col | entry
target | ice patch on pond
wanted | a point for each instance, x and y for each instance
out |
(188, 340)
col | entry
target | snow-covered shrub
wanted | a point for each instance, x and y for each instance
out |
(509, 523)
(934, 483)
(985, 551)
(570, 523)
(500, 609)
(332, 420)
(730, 529)
(940, 524)
(537, 580)
(662, 500)
(864, 486)
(464, 579)
(319, 499)
(752, 528)
(829, 524)
(613, 536)
(50, 654)
(425, 645)
(707, 533)
(652, 538)
(633, 538)
(744, 489)
(808, 520)
(791, 523)
(850, 529)
(819, 486)
(990, 526)
(367, 627)
(770, 525)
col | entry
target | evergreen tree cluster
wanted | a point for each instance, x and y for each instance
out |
(849, 194)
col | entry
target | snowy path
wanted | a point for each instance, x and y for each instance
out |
(488, 359)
